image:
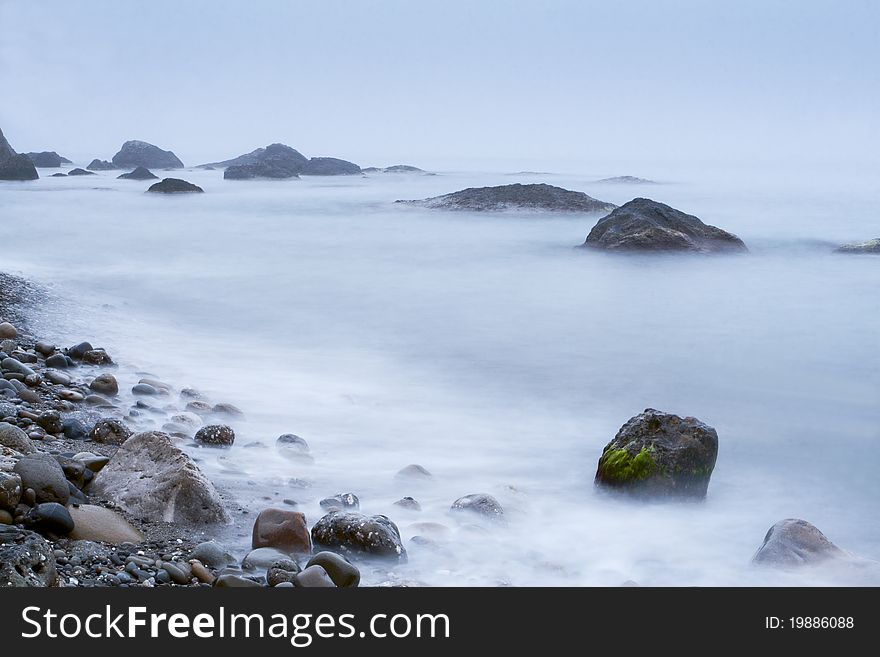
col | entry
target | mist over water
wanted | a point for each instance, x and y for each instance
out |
(490, 350)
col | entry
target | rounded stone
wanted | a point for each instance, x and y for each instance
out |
(95, 523)
(794, 542)
(354, 533)
(26, 559)
(262, 558)
(14, 438)
(413, 471)
(341, 501)
(44, 475)
(314, 577)
(109, 431)
(480, 505)
(235, 581)
(283, 570)
(409, 504)
(340, 569)
(49, 518)
(282, 529)
(7, 331)
(10, 490)
(215, 435)
(105, 384)
(58, 361)
(77, 351)
(212, 554)
(144, 389)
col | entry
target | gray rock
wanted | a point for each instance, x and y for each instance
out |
(413, 472)
(213, 554)
(174, 186)
(47, 159)
(58, 361)
(646, 225)
(140, 173)
(58, 378)
(152, 479)
(105, 384)
(480, 505)
(329, 166)
(14, 166)
(658, 454)
(144, 389)
(26, 559)
(44, 475)
(77, 351)
(95, 523)
(537, 197)
(235, 581)
(340, 569)
(215, 435)
(627, 180)
(793, 542)
(74, 429)
(283, 570)
(81, 172)
(49, 518)
(50, 421)
(14, 438)
(292, 446)
(109, 431)
(314, 577)
(409, 504)
(10, 490)
(354, 533)
(136, 153)
(341, 501)
(97, 357)
(263, 558)
(869, 247)
(13, 365)
(276, 155)
(100, 165)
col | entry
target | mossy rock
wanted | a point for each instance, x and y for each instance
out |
(658, 454)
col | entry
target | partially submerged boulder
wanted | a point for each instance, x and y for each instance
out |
(871, 246)
(47, 159)
(140, 173)
(153, 479)
(80, 172)
(100, 165)
(627, 180)
(530, 197)
(794, 542)
(658, 454)
(15, 166)
(137, 153)
(174, 186)
(330, 166)
(357, 534)
(646, 225)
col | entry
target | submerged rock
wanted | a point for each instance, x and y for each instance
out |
(330, 166)
(174, 186)
(14, 166)
(354, 533)
(871, 246)
(277, 154)
(794, 542)
(413, 471)
(80, 172)
(646, 225)
(658, 454)
(402, 168)
(627, 180)
(136, 153)
(530, 197)
(153, 479)
(140, 173)
(26, 559)
(215, 435)
(252, 171)
(47, 159)
(481, 505)
(100, 165)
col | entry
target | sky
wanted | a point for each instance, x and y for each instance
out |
(447, 83)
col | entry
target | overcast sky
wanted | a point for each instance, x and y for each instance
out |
(446, 82)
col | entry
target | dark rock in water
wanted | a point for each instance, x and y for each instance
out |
(372, 170)
(646, 225)
(97, 357)
(340, 570)
(58, 175)
(480, 504)
(44, 475)
(26, 559)
(144, 389)
(409, 504)
(105, 384)
(627, 180)
(261, 170)
(140, 173)
(75, 429)
(227, 409)
(14, 166)
(80, 172)
(77, 351)
(330, 166)
(283, 570)
(660, 455)
(341, 501)
(49, 518)
(402, 168)
(354, 533)
(100, 165)
(47, 159)
(174, 186)
(871, 246)
(109, 431)
(141, 154)
(215, 435)
(276, 154)
(541, 197)
(794, 542)
(314, 577)
(283, 530)
(58, 361)
(292, 446)
(154, 480)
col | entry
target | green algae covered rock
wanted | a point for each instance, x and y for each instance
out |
(658, 454)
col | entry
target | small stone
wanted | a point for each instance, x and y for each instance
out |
(235, 581)
(110, 431)
(215, 435)
(58, 361)
(10, 490)
(163, 577)
(200, 572)
(227, 409)
(44, 348)
(282, 529)
(178, 576)
(49, 518)
(105, 384)
(413, 471)
(8, 331)
(71, 396)
(58, 378)
(409, 504)
(481, 505)
(14, 438)
(341, 501)
(283, 570)
(77, 351)
(291, 445)
(212, 554)
(199, 406)
(340, 570)
(50, 421)
(97, 357)
(74, 429)
(44, 475)
(144, 389)
(314, 577)
(262, 558)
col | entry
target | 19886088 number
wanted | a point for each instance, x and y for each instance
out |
(820, 622)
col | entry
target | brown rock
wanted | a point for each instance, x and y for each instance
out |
(283, 530)
(95, 523)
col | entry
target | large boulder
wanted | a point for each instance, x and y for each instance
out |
(330, 166)
(871, 246)
(95, 523)
(152, 479)
(357, 534)
(101, 165)
(266, 170)
(646, 225)
(280, 154)
(136, 153)
(26, 559)
(47, 159)
(140, 173)
(658, 454)
(174, 186)
(14, 166)
(537, 197)
(794, 542)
